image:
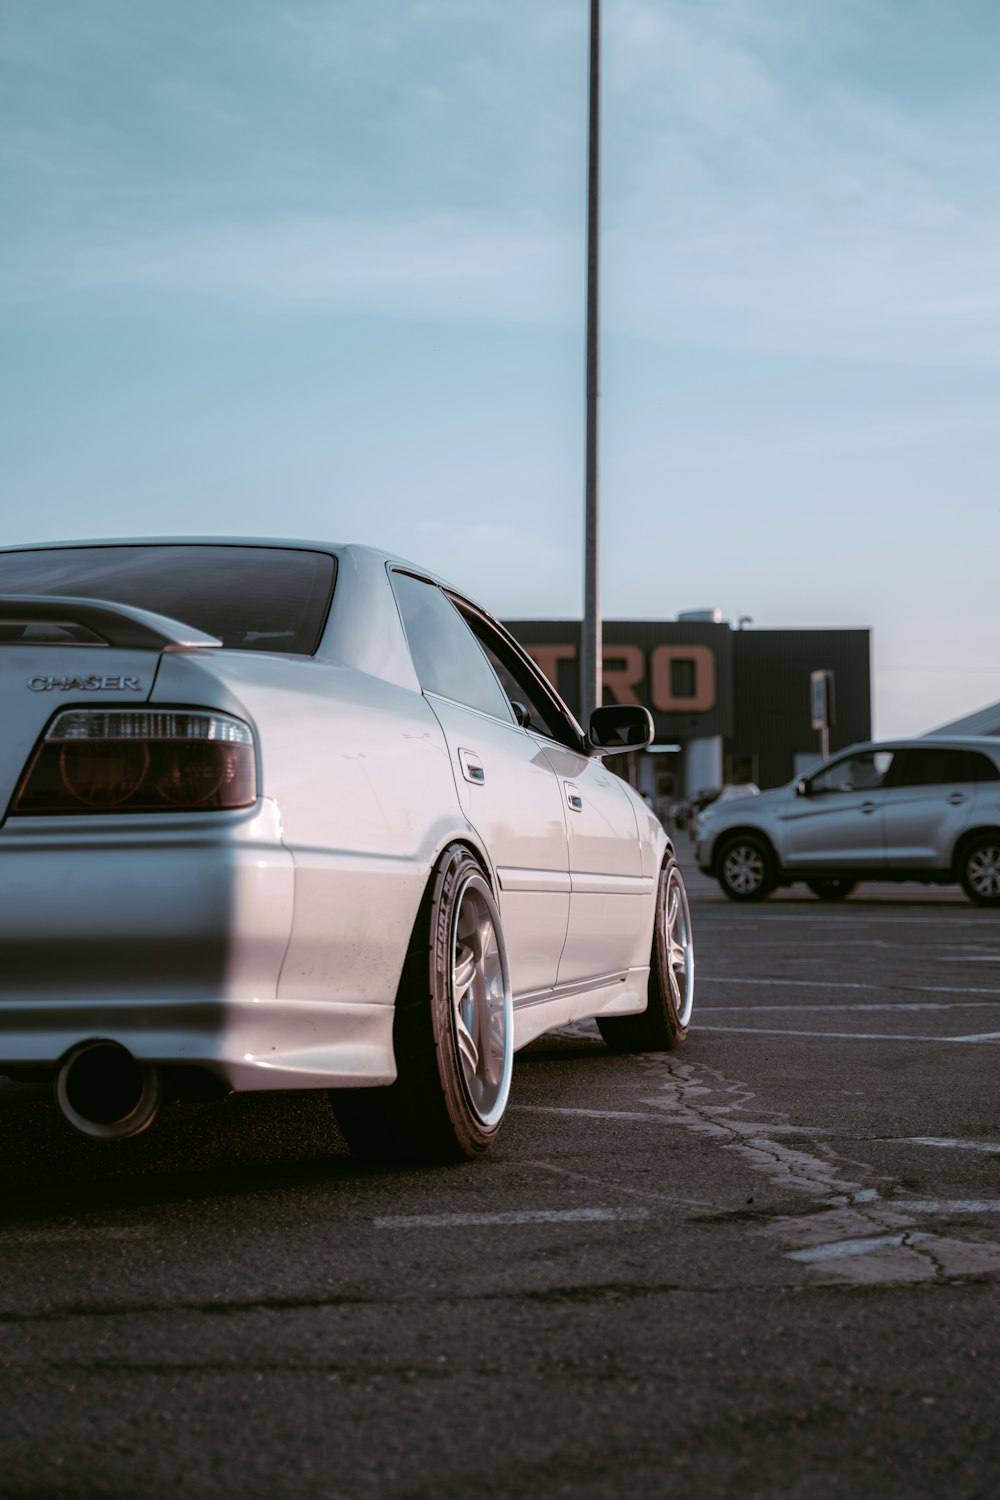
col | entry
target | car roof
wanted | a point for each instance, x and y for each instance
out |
(926, 742)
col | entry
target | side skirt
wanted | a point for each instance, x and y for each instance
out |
(620, 994)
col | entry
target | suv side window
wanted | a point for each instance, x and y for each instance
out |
(522, 682)
(979, 767)
(445, 654)
(862, 772)
(945, 767)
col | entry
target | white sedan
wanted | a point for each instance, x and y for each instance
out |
(288, 815)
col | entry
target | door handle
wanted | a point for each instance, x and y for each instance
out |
(957, 798)
(472, 768)
(869, 807)
(573, 797)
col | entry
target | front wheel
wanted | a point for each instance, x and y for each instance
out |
(453, 1031)
(832, 887)
(664, 1023)
(979, 870)
(746, 868)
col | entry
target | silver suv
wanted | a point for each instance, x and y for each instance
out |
(926, 810)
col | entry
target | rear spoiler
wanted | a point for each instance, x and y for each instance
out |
(105, 624)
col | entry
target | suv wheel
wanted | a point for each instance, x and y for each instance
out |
(746, 868)
(979, 869)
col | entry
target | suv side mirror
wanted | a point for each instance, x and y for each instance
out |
(802, 787)
(620, 726)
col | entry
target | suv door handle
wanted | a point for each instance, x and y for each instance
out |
(472, 767)
(869, 807)
(957, 798)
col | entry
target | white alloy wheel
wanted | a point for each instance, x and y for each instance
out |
(675, 913)
(481, 1001)
(664, 1023)
(453, 1031)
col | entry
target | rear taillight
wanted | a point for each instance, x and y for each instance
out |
(139, 760)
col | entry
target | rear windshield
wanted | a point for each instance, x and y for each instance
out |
(252, 598)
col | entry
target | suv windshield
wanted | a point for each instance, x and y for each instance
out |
(252, 598)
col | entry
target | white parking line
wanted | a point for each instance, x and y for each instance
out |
(523, 1216)
(838, 1249)
(791, 1009)
(930, 1140)
(850, 1036)
(951, 1206)
(585, 1114)
(842, 984)
(727, 916)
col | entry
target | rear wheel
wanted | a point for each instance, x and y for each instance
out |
(664, 1023)
(746, 868)
(979, 869)
(452, 1033)
(832, 887)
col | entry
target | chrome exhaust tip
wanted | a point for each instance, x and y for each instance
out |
(105, 1093)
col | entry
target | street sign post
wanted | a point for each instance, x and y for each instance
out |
(823, 706)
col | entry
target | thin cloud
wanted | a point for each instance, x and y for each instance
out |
(435, 265)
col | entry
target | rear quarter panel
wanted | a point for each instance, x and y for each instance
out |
(360, 779)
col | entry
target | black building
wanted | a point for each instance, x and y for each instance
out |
(729, 705)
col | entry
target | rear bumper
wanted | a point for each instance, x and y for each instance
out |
(251, 1045)
(169, 938)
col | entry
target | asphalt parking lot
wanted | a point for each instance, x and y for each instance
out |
(766, 1265)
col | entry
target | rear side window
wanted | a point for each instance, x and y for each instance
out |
(252, 598)
(943, 767)
(446, 656)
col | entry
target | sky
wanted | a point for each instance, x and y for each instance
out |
(316, 268)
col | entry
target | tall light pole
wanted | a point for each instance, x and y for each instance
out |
(590, 644)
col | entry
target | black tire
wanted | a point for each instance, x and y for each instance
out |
(745, 868)
(832, 887)
(452, 1031)
(664, 1023)
(978, 868)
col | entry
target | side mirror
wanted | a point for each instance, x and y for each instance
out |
(802, 787)
(521, 714)
(620, 726)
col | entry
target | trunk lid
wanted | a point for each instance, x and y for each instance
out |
(61, 653)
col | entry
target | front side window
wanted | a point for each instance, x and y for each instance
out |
(864, 772)
(522, 684)
(446, 656)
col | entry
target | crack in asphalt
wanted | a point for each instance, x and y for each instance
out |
(9, 1317)
(580, 1293)
(924, 1248)
(868, 1239)
(352, 1374)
